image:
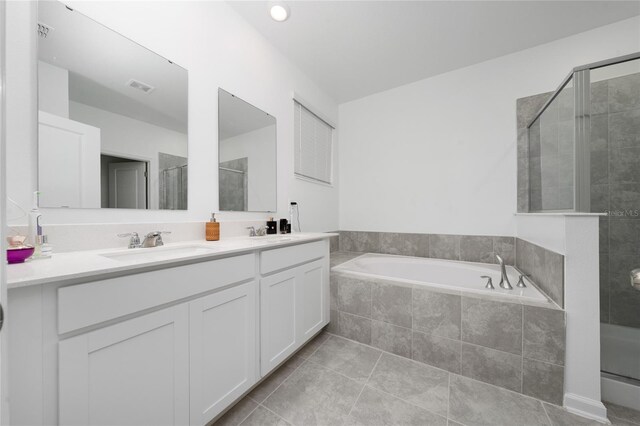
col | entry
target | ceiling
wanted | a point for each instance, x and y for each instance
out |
(356, 48)
(101, 62)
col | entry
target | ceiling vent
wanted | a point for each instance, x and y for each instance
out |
(44, 30)
(140, 86)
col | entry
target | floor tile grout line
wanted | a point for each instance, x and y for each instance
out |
(247, 416)
(420, 363)
(304, 360)
(546, 413)
(274, 413)
(364, 385)
(405, 401)
(624, 419)
(281, 383)
(504, 389)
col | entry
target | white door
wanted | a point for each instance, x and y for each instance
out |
(312, 282)
(222, 350)
(68, 163)
(277, 318)
(132, 373)
(128, 185)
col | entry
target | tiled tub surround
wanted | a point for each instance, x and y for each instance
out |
(511, 345)
(469, 248)
(545, 268)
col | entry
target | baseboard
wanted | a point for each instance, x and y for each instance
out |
(620, 393)
(585, 407)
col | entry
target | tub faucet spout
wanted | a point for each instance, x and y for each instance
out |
(504, 279)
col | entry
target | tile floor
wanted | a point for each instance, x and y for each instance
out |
(335, 381)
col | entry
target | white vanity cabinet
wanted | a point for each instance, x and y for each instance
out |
(223, 350)
(133, 372)
(171, 346)
(294, 301)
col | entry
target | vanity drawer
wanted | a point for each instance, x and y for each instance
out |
(88, 304)
(282, 258)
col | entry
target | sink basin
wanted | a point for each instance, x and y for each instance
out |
(271, 239)
(158, 253)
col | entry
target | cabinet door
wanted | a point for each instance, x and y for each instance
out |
(312, 282)
(277, 318)
(132, 373)
(222, 349)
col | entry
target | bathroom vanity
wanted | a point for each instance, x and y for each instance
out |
(169, 335)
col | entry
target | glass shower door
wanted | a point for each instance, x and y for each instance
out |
(615, 190)
(551, 154)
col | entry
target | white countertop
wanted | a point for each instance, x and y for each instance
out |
(96, 264)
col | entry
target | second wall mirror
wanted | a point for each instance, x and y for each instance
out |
(247, 171)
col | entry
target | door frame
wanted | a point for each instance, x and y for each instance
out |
(4, 369)
(140, 158)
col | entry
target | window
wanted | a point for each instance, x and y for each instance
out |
(313, 139)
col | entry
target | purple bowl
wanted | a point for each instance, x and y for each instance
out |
(19, 255)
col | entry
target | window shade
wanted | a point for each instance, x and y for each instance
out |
(313, 138)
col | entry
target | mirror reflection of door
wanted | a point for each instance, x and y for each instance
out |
(124, 183)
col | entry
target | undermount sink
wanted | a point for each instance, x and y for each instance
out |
(272, 239)
(158, 253)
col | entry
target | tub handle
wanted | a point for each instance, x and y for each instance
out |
(489, 284)
(521, 283)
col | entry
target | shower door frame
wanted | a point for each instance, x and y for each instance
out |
(581, 76)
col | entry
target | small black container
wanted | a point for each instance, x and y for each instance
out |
(272, 227)
(283, 226)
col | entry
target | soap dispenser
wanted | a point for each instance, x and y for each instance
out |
(212, 229)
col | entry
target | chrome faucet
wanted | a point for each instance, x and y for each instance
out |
(134, 241)
(260, 232)
(154, 239)
(504, 279)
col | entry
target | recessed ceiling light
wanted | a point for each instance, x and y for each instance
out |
(279, 11)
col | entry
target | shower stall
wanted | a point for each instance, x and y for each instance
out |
(584, 156)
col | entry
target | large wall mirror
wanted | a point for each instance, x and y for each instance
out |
(247, 156)
(112, 126)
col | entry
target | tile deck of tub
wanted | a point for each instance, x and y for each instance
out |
(335, 381)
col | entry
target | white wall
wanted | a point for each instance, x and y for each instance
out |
(576, 237)
(439, 155)
(257, 146)
(53, 89)
(122, 136)
(219, 49)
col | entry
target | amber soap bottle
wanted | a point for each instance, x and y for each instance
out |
(212, 229)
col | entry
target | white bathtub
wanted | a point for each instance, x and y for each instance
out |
(445, 274)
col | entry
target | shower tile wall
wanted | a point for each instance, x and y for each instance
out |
(615, 188)
(233, 184)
